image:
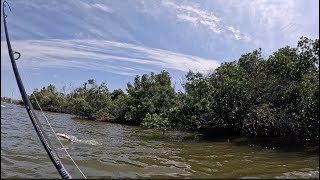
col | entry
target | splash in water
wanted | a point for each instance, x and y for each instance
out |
(75, 139)
(90, 142)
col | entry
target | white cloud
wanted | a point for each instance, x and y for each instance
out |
(102, 7)
(272, 23)
(102, 55)
(236, 33)
(203, 19)
(97, 6)
(188, 18)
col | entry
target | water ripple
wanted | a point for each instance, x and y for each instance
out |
(105, 150)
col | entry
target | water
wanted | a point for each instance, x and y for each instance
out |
(104, 150)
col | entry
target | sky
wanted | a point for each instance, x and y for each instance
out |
(65, 43)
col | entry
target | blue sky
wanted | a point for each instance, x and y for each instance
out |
(111, 41)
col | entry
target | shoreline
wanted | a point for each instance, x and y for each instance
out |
(309, 146)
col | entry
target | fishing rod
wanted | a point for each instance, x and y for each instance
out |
(34, 119)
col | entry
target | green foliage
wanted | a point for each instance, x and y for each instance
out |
(255, 96)
(49, 99)
(149, 94)
(276, 96)
(81, 108)
(155, 121)
(20, 102)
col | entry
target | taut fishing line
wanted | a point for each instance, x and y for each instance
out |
(45, 117)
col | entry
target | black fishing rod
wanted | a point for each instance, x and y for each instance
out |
(34, 119)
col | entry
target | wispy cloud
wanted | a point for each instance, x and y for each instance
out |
(102, 55)
(213, 29)
(273, 23)
(202, 19)
(99, 6)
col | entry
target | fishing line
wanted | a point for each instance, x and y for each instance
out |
(27, 84)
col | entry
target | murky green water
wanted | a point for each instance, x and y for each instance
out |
(104, 150)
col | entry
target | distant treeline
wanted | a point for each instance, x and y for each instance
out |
(276, 96)
(10, 100)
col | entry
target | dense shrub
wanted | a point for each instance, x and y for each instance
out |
(255, 96)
